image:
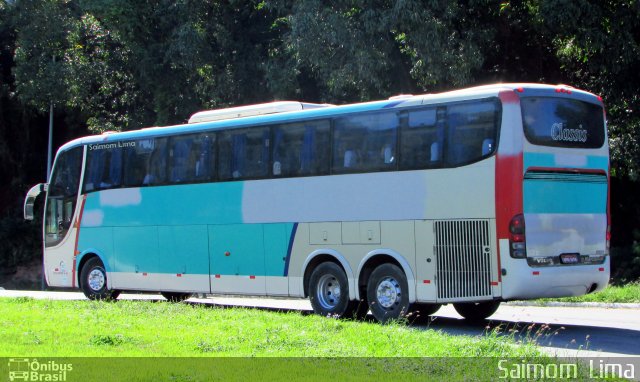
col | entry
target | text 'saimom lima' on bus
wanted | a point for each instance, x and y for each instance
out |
(470, 197)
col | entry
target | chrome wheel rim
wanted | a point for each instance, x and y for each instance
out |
(96, 280)
(388, 292)
(328, 292)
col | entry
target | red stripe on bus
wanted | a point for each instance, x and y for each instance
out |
(252, 277)
(494, 283)
(509, 96)
(426, 282)
(536, 273)
(179, 275)
(217, 276)
(509, 195)
(75, 248)
(601, 269)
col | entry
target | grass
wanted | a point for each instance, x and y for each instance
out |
(201, 342)
(236, 341)
(629, 293)
(143, 328)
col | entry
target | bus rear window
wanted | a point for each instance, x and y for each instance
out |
(559, 122)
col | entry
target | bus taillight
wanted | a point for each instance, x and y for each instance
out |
(517, 239)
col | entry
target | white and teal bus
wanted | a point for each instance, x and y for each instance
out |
(469, 197)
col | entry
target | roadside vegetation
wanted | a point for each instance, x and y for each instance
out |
(143, 328)
(186, 342)
(629, 293)
(348, 350)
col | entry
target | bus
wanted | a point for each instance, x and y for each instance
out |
(470, 197)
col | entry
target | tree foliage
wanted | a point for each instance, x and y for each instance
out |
(127, 64)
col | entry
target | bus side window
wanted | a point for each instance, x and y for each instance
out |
(104, 169)
(487, 146)
(225, 147)
(114, 177)
(421, 138)
(180, 163)
(366, 142)
(472, 128)
(95, 169)
(156, 163)
(244, 153)
(301, 149)
(205, 165)
(145, 163)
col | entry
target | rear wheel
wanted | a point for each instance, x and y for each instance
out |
(477, 311)
(329, 291)
(93, 281)
(175, 296)
(388, 293)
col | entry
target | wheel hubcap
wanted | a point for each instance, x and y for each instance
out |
(96, 280)
(388, 292)
(328, 292)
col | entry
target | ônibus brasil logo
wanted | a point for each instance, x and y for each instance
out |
(25, 369)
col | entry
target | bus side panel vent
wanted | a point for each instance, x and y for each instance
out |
(463, 259)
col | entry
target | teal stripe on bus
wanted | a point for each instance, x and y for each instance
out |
(547, 160)
(153, 230)
(556, 197)
(212, 203)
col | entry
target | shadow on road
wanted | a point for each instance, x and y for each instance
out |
(574, 337)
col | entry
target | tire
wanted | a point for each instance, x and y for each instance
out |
(388, 293)
(93, 281)
(420, 312)
(329, 291)
(175, 296)
(477, 311)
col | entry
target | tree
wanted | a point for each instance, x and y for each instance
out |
(359, 50)
(41, 41)
(99, 77)
(598, 45)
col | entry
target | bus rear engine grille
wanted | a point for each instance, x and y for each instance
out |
(463, 259)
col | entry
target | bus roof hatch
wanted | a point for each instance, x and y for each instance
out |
(252, 110)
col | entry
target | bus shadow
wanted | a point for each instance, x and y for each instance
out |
(570, 337)
(217, 305)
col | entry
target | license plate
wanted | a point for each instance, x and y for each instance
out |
(569, 258)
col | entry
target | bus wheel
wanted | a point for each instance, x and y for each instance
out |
(388, 293)
(175, 296)
(93, 281)
(476, 311)
(329, 291)
(420, 312)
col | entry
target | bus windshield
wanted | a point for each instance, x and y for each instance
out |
(552, 121)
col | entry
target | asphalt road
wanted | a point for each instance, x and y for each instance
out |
(585, 331)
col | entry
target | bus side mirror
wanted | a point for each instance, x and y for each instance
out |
(31, 199)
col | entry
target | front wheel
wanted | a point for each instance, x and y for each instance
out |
(93, 281)
(329, 291)
(476, 311)
(388, 293)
